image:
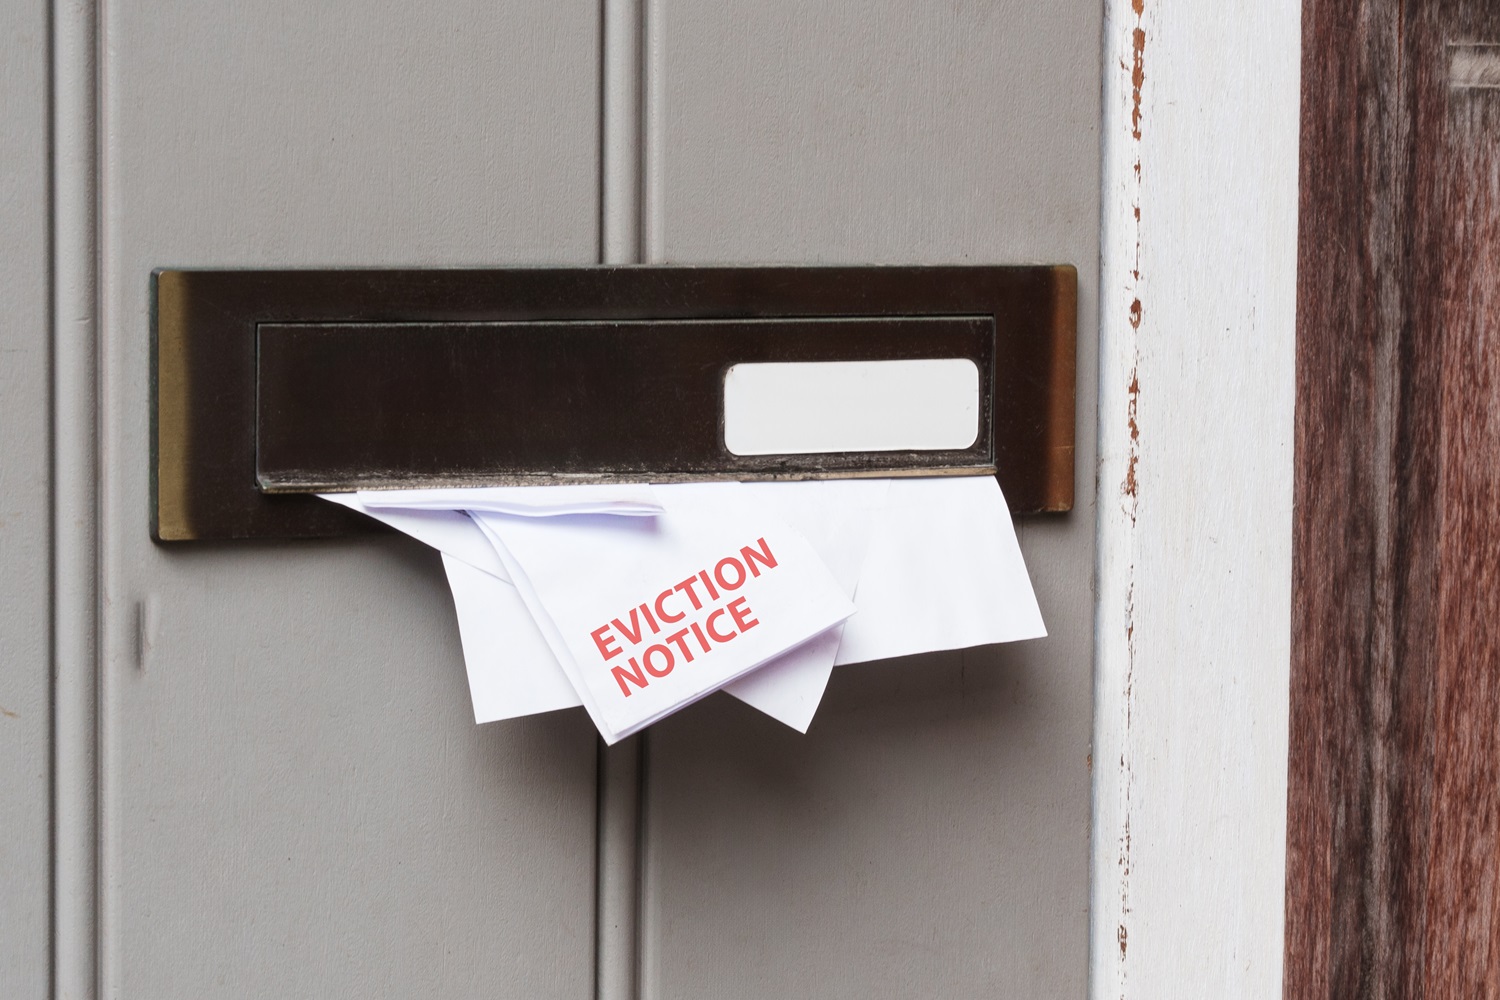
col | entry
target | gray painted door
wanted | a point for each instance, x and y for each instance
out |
(929, 836)
(24, 463)
(292, 796)
(295, 798)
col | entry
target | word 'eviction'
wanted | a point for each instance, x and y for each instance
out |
(654, 624)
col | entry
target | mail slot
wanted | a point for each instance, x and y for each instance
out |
(372, 405)
(273, 385)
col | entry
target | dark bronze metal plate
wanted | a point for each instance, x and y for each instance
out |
(273, 383)
(387, 405)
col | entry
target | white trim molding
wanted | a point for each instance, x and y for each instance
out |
(1196, 394)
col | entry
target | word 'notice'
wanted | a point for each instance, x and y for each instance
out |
(705, 630)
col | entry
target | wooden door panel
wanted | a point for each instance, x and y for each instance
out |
(25, 532)
(295, 799)
(930, 835)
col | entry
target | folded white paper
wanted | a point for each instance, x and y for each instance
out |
(536, 501)
(931, 564)
(944, 572)
(451, 532)
(511, 669)
(647, 615)
(836, 517)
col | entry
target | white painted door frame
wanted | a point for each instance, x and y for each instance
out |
(1197, 316)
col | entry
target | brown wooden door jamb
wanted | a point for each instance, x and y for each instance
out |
(1393, 849)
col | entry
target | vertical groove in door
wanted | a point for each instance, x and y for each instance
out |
(652, 237)
(618, 846)
(618, 870)
(74, 509)
(620, 134)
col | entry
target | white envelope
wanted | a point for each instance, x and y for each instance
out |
(944, 572)
(626, 499)
(451, 532)
(837, 517)
(511, 670)
(744, 587)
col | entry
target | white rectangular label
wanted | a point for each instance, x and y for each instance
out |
(816, 407)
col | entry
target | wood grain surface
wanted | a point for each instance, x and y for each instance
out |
(1394, 799)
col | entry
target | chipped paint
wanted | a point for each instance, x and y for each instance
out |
(1130, 486)
(1137, 77)
(1137, 71)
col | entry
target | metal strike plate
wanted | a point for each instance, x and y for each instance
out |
(270, 385)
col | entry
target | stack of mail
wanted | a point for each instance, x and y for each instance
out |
(637, 600)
